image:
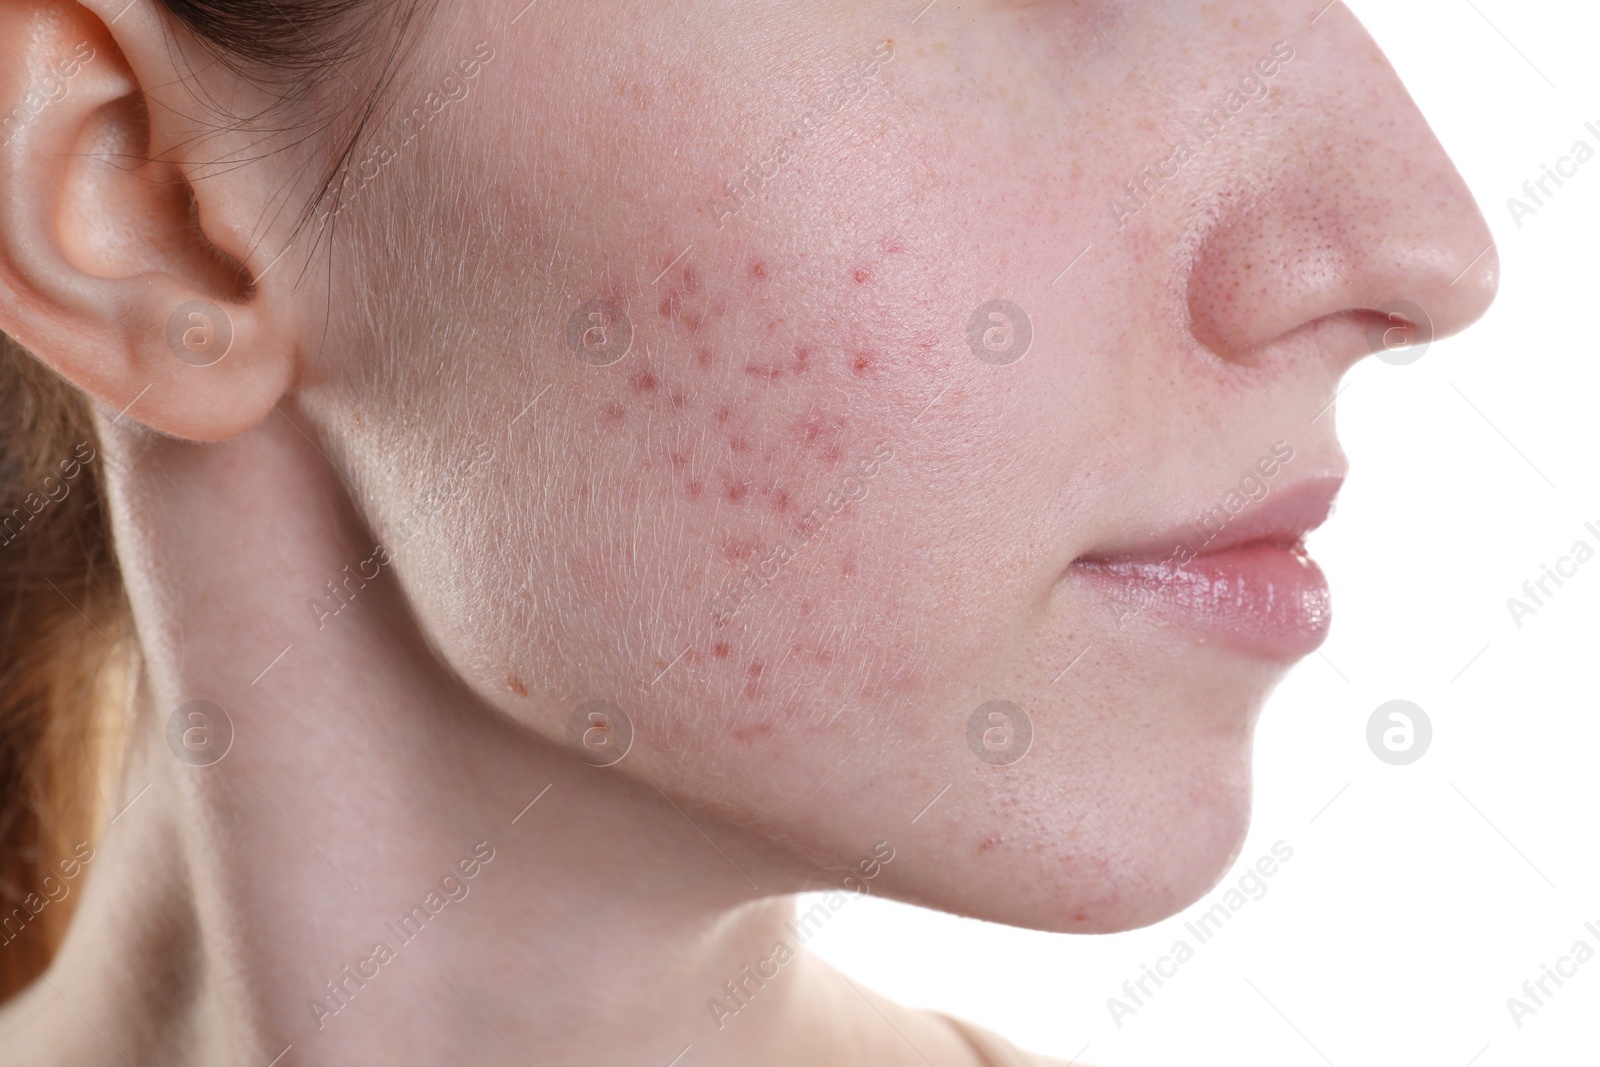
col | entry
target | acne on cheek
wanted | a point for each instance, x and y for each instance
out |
(755, 396)
(746, 419)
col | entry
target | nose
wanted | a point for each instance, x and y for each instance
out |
(1346, 213)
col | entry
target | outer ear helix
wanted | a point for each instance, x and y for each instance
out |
(132, 278)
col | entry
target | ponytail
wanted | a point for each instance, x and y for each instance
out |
(63, 618)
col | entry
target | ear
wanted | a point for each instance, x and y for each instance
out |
(133, 258)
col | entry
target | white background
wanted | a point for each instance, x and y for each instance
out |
(1423, 896)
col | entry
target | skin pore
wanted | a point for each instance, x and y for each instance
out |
(418, 515)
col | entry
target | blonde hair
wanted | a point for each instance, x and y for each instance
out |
(63, 618)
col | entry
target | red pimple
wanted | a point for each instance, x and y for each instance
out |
(516, 685)
(724, 413)
(758, 269)
(739, 444)
(739, 548)
(735, 491)
(756, 668)
(679, 401)
(818, 431)
(691, 281)
(861, 275)
(643, 382)
(613, 412)
(703, 356)
(721, 650)
(780, 501)
(863, 363)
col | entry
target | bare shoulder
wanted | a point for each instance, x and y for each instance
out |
(995, 1051)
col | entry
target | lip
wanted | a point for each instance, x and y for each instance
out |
(1246, 581)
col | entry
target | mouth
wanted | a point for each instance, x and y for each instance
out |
(1241, 578)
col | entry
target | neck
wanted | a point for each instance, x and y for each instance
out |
(380, 868)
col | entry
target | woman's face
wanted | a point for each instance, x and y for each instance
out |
(794, 378)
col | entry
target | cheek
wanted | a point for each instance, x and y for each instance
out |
(674, 526)
(773, 397)
(748, 438)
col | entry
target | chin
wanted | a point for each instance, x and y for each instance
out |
(1085, 845)
(1186, 858)
(1099, 888)
(1189, 813)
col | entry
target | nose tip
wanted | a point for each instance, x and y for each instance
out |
(1452, 306)
(1422, 263)
(1472, 291)
(1346, 213)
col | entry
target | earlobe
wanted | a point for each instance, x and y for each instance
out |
(132, 279)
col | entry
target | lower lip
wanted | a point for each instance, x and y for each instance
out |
(1267, 600)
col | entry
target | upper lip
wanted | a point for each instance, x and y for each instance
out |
(1283, 517)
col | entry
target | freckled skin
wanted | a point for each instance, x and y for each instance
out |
(801, 378)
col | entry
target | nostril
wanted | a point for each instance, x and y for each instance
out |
(1387, 280)
(1398, 331)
